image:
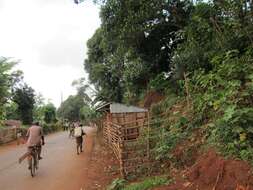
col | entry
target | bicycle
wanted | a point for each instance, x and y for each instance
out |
(33, 160)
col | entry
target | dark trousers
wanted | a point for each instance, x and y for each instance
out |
(79, 144)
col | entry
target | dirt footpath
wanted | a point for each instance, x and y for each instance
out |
(60, 168)
(102, 165)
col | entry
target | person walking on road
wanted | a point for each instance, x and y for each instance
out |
(71, 130)
(19, 136)
(79, 133)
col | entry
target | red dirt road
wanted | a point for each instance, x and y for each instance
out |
(60, 168)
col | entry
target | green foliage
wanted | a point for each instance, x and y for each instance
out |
(169, 138)
(117, 184)
(159, 83)
(70, 108)
(38, 111)
(134, 44)
(82, 88)
(145, 184)
(49, 111)
(16, 98)
(45, 113)
(24, 98)
(209, 42)
(224, 85)
(78, 107)
(51, 127)
(88, 114)
(166, 104)
(199, 43)
(11, 110)
(149, 183)
(163, 148)
(224, 95)
(6, 83)
(104, 72)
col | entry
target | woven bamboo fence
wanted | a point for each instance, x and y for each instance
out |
(135, 144)
(121, 133)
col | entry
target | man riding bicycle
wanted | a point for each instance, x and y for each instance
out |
(35, 138)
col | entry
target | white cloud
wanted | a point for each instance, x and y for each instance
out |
(49, 36)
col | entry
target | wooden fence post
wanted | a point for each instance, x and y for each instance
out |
(148, 146)
(187, 91)
(121, 153)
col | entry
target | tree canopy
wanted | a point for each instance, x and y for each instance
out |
(8, 81)
(49, 113)
(134, 44)
(75, 107)
(198, 50)
(24, 97)
(18, 100)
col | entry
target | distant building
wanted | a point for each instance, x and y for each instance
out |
(12, 123)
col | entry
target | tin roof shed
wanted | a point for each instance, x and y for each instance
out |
(120, 108)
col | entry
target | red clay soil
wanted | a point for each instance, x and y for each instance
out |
(152, 98)
(213, 172)
(103, 167)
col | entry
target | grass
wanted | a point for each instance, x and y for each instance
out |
(145, 184)
(149, 183)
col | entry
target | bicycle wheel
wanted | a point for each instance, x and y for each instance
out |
(32, 166)
(36, 161)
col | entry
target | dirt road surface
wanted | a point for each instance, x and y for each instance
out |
(60, 167)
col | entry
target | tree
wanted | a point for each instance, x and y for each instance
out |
(38, 110)
(70, 108)
(82, 89)
(6, 82)
(135, 43)
(49, 113)
(24, 97)
(11, 111)
(104, 72)
(213, 28)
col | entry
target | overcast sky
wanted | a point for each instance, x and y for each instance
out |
(49, 37)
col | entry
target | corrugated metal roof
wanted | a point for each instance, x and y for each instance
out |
(102, 106)
(121, 108)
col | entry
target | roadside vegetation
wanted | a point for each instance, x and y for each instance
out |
(20, 102)
(145, 184)
(79, 107)
(197, 54)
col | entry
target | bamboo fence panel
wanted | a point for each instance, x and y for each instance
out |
(132, 137)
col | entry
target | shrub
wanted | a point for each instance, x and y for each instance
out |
(117, 184)
(52, 127)
(148, 183)
(224, 97)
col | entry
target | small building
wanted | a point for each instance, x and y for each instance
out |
(129, 118)
(8, 133)
(122, 125)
